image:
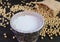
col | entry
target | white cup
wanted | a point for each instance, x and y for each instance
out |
(27, 33)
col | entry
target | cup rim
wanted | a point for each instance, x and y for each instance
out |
(11, 20)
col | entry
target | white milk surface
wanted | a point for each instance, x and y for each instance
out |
(26, 23)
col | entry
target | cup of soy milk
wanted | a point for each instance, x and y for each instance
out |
(26, 26)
